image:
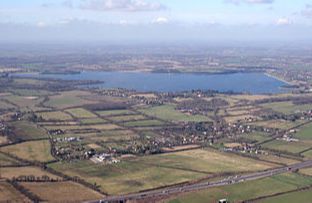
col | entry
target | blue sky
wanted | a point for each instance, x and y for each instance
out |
(182, 11)
(68, 15)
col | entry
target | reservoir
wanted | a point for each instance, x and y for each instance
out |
(253, 83)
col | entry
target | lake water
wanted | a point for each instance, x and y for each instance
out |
(167, 82)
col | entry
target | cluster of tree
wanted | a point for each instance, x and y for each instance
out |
(32, 178)
(108, 105)
(299, 100)
(303, 101)
(34, 117)
(276, 116)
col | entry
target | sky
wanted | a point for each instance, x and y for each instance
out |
(155, 20)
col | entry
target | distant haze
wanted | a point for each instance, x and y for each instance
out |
(155, 20)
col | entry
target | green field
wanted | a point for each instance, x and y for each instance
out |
(33, 150)
(26, 102)
(62, 191)
(255, 137)
(143, 123)
(25, 130)
(114, 112)
(168, 112)
(54, 116)
(125, 118)
(305, 132)
(69, 99)
(5, 160)
(308, 154)
(287, 107)
(127, 176)
(92, 121)
(277, 159)
(154, 171)
(306, 171)
(9, 194)
(11, 172)
(113, 135)
(246, 190)
(283, 146)
(83, 127)
(281, 124)
(208, 161)
(301, 196)
(81, 113)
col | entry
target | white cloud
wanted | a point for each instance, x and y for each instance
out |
(283, 21)
(121, 5)
(237, 2)
(41, 24)
(161, 20)
(259, 1)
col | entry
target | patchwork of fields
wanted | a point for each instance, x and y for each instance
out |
(55, 141)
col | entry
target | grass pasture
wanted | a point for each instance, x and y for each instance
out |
(83, 127)
(5, 160)
(11, 172)
(81, 113)
(92, 121)
(113, 135)
(24, 130)
(281, 124)
(105, 127)
(160, 170)
(287, 107)
(255, 137)
(305, 132)
(304, 196)
(114, 112)
(9, 194)
(32, 150)
(308, 154)
(69, 99)
(209, 161)
(277, 159)
(62, 191)
(306, 171)
(283, 146)
(168, 112)
(126, 118)
(246, 190)
(144, 123)
(25, 102)
(125, 177)
(55, 116)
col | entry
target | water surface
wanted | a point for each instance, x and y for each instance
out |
(169, 82)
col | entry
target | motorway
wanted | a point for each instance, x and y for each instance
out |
(204, 185)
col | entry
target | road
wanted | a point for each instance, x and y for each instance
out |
(204, 185)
